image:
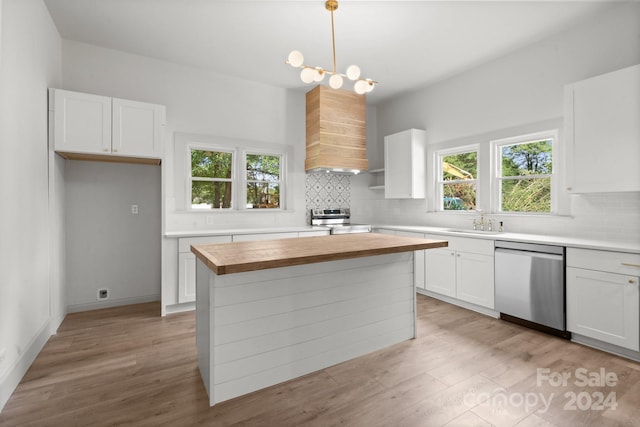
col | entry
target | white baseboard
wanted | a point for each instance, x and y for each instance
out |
(10, 380)
(111, 303)
(180, 308)
(609, 348)
(463, 304)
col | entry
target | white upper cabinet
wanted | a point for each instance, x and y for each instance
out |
(82, 122)
(87, 125)
(602, 130)
(137, 128)
(404, 165)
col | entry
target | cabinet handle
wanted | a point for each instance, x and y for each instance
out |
(452, 253)
(115, 150)
(105, 150)
(626, 264)
(631, 281)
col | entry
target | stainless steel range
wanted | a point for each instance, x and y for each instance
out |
(338, 220)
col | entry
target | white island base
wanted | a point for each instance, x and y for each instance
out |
(259, 328)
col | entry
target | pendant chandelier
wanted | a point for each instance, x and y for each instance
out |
(311, 74)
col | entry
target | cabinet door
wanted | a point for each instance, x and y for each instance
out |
(137, 129)
(82, 122)
(603, 130)
(418, 260)
(404, 165)
(474, 274)
(604, 306)
(440, 271)
(186, 277)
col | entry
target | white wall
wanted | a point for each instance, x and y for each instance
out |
(108, 247)
(516, 94)
(29, 63)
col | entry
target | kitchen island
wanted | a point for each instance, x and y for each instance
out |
(271, 311)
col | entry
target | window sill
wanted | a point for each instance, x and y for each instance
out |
(236, 211)
(503, 214)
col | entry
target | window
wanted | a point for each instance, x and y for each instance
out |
(225, 175)
(211, 179)
(457, 179)
(523, 181)
(263, 179)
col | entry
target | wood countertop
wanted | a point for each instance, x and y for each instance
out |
(237, 257)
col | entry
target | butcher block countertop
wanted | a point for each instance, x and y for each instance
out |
(237, 257)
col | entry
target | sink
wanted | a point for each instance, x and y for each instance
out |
(458, 230)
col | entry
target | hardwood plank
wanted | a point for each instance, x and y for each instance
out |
(129, 366)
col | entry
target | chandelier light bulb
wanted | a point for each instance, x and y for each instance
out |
(353, 72)
(318, 74)
(295, 58)
(307, 75)
(360, 87)
(370, 85)
(335, 81)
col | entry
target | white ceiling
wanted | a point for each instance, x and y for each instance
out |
(402, 44)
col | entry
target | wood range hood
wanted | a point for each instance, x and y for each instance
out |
(336, 131)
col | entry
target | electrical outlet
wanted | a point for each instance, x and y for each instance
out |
(134, 209)
(103, 294)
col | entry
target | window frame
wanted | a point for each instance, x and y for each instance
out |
(440, 182)
(496, 170)
(281, 181)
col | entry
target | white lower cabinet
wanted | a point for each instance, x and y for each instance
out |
(603, 299)
(187, 264)
(464, 270)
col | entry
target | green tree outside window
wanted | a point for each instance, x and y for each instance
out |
(211, 173)
(263, 181)
(525, 177)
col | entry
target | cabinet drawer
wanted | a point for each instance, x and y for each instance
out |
(265, 236)
(613, 262)
(313, 233)
(184, 244)
(464, 244)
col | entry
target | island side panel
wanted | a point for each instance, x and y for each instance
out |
(274, 325)
(204, 338)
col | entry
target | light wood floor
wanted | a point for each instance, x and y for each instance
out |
(129, 366)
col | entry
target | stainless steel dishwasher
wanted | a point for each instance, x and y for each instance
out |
(530, 285)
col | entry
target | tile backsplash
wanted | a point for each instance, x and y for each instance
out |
(326, 190)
